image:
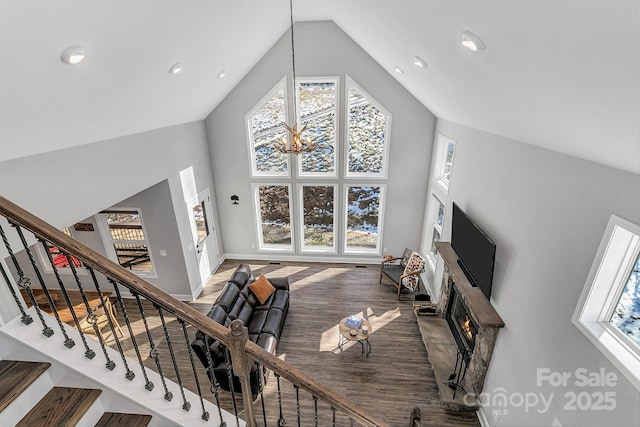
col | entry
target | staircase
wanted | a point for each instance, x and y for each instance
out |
(22, 384)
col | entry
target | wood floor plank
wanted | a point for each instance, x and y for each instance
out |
(61, 406)
(16, 376)
(395, 378)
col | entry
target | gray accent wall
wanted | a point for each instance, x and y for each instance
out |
(67, 186)
(547, 213)
(322, 49)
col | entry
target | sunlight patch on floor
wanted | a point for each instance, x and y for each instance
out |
(320, 277)
(331, 337)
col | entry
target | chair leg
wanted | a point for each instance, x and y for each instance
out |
(112, 314)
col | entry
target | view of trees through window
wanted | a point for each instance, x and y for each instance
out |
(317, 210)
(275, 216)
(626, 315)
(363, 210)
(319, 175)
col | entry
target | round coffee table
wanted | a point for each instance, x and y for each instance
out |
(346, 335)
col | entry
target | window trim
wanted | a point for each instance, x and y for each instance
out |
(46, 264)
(317, 249)
(258, 217)
(336, 143)
(609, 272)
(432, 226)
(281, 84)
(443, 142)
(387, 132)
(378, 248)
(108, 241)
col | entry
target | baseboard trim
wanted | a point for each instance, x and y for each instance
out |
(305, 258)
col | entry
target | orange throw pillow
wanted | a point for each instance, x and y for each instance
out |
(262, 289)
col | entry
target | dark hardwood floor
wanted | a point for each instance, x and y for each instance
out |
(395, 378)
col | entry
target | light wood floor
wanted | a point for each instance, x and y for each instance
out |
(395, 378)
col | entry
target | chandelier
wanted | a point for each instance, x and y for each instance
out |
(296, 144)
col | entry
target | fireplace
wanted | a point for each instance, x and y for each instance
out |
(461, 323)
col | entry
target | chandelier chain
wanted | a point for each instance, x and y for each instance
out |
(293, 66)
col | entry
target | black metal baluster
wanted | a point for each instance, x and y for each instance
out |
(153, 353)
(281, 420)
(91, 316)
(261, 387)
(42, 284)
(68, 342)
(89, 353)
(130, 375)
(185, 405)
(297, 402)
(215, 387)
(231, 386)
(26, 319)
(24, 282)
(205, 414)
(148, 385)
(315, 411)
(333, 410)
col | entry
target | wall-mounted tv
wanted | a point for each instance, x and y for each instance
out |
(476, 251)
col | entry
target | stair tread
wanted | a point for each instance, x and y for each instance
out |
(61, 406)
(16, 376)
(117, 419)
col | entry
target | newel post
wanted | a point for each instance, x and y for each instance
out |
(242, 366)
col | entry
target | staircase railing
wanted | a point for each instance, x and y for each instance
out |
(84, 298)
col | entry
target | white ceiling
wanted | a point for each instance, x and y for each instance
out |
(561, 74)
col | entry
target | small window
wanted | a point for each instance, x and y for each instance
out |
(363, 221)
(435, 217)
(318, 219)
(126, 240)
(446, 154)
(200, 219)
(274, 217)
(367, 135)
(608, 312)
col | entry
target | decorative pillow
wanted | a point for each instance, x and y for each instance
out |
(262, 289)
(415, 263)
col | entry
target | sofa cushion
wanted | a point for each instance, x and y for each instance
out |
(262, 289)
(257, 320)
(219, 315)
(268, 342)
(273, 322)
(241, 275)
(228, 296)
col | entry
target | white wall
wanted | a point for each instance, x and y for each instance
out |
(64, 187)
(546, 213)
(322, 49)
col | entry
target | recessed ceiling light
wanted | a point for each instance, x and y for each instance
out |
(175, 69)
(419, 62)
(398, 70)
(222, 73)
(472, 42)
(73, 55)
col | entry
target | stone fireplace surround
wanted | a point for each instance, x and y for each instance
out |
(439, 340)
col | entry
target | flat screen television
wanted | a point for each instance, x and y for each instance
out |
(476, 251)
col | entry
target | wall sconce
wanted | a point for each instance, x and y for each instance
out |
(235, 199)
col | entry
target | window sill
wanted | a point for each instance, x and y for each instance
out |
(614, 348)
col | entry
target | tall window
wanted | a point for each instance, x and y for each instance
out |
(317, 103)
(266, 129)
(322, 179)
(436, 217)
(317, 217)
(126, 240)
(608, 312)
(363, 218)
(274, 217)
(367, 139)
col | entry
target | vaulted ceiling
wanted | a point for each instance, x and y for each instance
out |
(561, 74)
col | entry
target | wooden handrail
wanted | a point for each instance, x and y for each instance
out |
(110, 269)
